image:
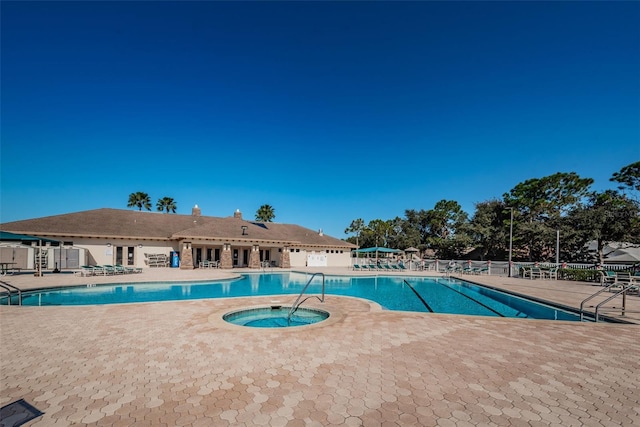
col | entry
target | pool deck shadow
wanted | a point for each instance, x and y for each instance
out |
(174, 364)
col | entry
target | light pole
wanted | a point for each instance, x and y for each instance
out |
(557, 247)
(510, 239)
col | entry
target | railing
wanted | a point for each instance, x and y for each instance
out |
(298, 303)
(10, 288)
(623, 292)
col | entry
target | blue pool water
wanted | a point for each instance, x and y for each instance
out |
(423, 294)
(275, 317)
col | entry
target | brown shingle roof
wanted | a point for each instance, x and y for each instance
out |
(118, 223)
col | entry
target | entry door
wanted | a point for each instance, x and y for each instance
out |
(130, 255)
(119, 255)
(235, 257)
(245, 257)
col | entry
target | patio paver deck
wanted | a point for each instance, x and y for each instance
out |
(178, 364)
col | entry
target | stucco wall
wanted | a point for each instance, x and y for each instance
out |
(100, 253)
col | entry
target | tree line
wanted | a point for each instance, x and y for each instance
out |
(530, 217)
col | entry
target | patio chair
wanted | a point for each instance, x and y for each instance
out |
(536, 273)
(524, 271)
(608, 277)
(85, 271)
(110, 269)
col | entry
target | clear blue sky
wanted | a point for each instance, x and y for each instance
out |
(328, 111)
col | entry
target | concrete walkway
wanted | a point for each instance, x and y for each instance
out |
(179, 364)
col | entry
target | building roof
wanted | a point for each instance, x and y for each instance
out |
(132, 224)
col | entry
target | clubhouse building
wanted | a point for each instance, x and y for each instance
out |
(151, 239)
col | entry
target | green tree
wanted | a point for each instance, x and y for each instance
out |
(265, 213)
(380, 231)
(606, 217)
(356, 227)
(629, 178)
(416, 228)
(541, 203)
(139, 200)
(447, 235)
(489, 229)
(166, 204)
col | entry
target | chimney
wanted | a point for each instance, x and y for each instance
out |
(237, 214)
(195, 211)
(320, 232)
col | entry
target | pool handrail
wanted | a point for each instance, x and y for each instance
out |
(298, 303)
(10, 288)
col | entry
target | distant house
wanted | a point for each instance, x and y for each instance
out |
(616, 252)
(141, 239)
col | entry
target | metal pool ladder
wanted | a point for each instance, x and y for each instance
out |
(10, 288)
(298, 303)
(622, 291)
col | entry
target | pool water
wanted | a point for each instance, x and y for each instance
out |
(422, 294)
(275, 317)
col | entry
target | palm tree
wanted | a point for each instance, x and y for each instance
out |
(139, 200)
(166, 204)
(266, 213)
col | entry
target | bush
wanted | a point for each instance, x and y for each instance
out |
(579, 275)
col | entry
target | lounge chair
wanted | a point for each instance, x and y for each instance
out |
(536, 273)
(552, 273)
(356, 267)
(85, 270)
(110, 269)
(524, 271)
(402, 266)
(626, 278)
(608, 277)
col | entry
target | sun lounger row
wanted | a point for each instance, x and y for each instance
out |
(380, 266)
(106, 270)
(475, 270)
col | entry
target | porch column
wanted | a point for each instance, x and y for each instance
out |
(186, 256)
(285, 260)
(225, 257)
(254, 257)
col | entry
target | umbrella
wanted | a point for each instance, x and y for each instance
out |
(376, 250)
(5, 236)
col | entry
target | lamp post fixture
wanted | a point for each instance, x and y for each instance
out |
(510, 240)
(557, 247)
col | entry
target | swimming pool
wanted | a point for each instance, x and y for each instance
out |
(421, 294)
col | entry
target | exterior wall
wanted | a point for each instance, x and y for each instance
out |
(99, 253)
(334, 259)
(297, 257)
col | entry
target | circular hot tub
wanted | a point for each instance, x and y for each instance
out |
(275, 316)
